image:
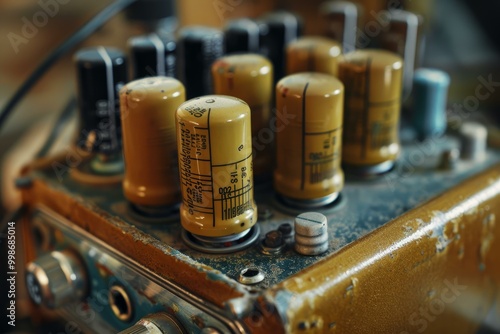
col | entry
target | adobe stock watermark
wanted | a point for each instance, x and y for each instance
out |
(262, 139)
(73, 158)
(462, 111)
(222, 7)
(427, 314)
(409, 164)
(377, 25)
(457, 114)
(266, 136)
(90, 140)
(30, 26)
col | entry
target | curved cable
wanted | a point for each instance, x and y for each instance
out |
(85, 31)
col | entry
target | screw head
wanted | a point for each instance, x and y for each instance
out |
(274, 239)
(285, 229)
(449, 158)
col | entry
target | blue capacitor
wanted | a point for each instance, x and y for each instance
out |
(430, 93)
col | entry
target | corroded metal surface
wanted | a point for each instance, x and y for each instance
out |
(148, 251)
(434, 268)
(375, 277)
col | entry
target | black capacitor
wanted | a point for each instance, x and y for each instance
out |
(198, 48)
(277, 30)
(151, 10)
(340, 19)
(101, 72)
(241, 35)
(401, 37)
(152, 55)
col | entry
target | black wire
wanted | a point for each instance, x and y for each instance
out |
(85, 31)
(64, 117)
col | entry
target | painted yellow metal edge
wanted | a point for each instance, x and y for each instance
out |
(434, 269)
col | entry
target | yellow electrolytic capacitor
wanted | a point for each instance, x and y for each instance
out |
(308, 145)
(313, 54)
(148, 109)
(214, 142)
(373, 86)
(250, 77)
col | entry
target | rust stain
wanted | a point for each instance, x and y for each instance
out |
(351, 289)
(487, 236)
(175, 308)
(452, 236)
(198, 321)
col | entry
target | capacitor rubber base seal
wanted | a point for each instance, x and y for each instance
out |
(371, 170)
(107, 165)
(280, 204)
(222, 245)
(154, 215)
(84, 174)
(310, 203)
